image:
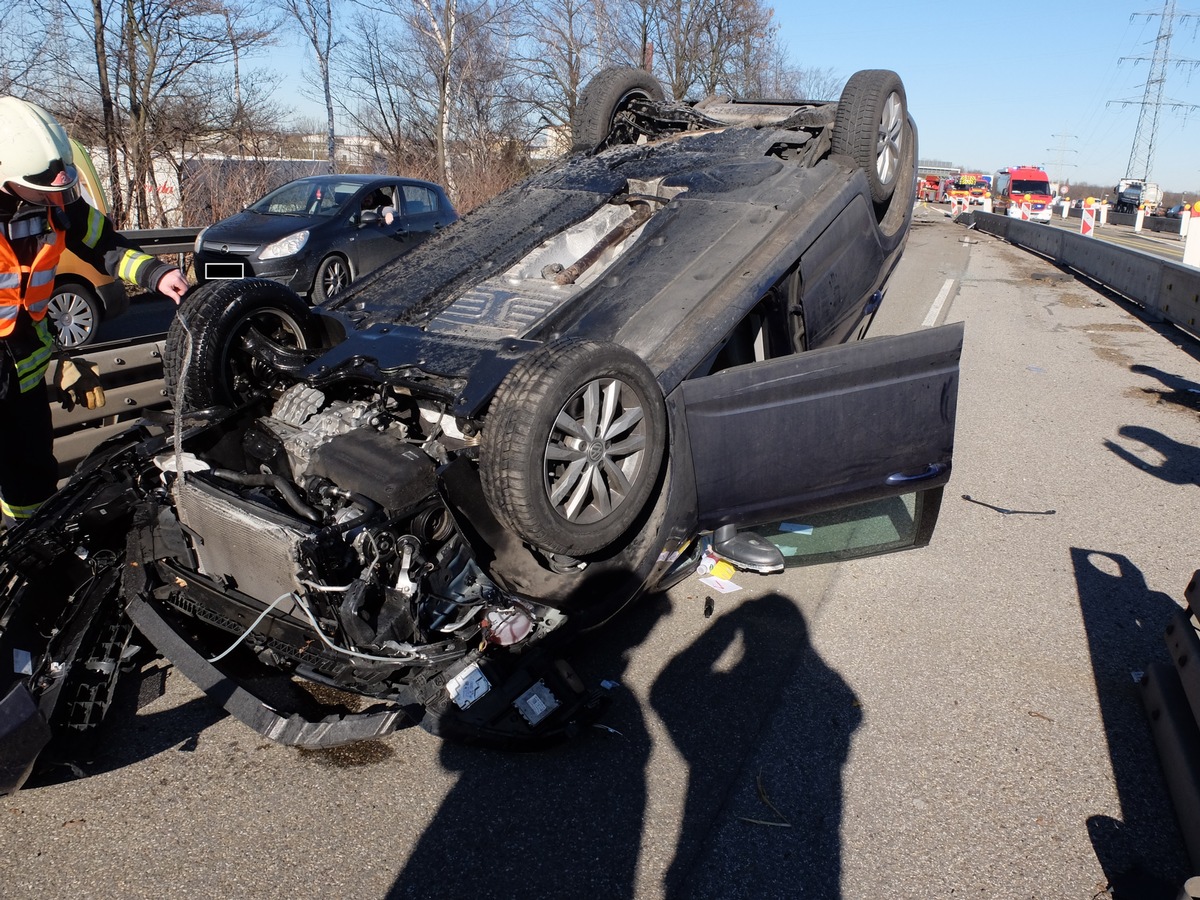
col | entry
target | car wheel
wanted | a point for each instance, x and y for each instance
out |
(216, 367)
(895, 215)
(75, 311)
(604, 97)
(573, 446)
(870, 127)
(333, 277)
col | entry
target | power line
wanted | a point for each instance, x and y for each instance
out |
(1061, 151)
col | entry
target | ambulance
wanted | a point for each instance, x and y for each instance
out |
(1012, 186)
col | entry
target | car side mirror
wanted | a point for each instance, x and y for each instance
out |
(368, 217)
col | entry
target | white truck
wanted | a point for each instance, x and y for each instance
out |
(1134, 192)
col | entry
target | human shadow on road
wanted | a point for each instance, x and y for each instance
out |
(565, 822)
(714, 698)
(1180, 391)
(1142, 854)
(1180, 462)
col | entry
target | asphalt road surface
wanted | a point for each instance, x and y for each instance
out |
(957, 721)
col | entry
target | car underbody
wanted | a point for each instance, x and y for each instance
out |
(419, 494)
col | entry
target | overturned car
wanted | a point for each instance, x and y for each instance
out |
(421, 491)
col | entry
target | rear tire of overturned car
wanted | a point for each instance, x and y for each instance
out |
(220, 316)
(871, 126)
(604, 97)
(573, 446)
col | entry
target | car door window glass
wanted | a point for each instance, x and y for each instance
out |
(865, 529)
(419, 200)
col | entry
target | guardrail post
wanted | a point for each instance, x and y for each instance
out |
(1139, 221)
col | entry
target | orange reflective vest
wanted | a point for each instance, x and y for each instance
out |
(28, 286)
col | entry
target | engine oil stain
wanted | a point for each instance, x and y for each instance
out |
(351, 756)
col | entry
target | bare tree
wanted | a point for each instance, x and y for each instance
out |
(315, 19)
(565, 47)
(19, 58)
(153, 66)
(451, 90)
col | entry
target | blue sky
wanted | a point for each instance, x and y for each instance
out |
(996, 84)
(999, 83)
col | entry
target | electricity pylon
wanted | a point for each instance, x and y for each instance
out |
(1141, 156)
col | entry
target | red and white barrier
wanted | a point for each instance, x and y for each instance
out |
(1087, 225)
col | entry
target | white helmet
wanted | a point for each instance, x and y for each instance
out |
(36, 162)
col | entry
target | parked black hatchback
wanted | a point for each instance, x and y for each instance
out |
(319, 234)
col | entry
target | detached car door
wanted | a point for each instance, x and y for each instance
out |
(860, 432)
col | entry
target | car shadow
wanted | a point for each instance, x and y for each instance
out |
(127, 737)
(573, 821)
(1180, 462)
(1142, 854)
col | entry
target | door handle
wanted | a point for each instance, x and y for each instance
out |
(932, 470)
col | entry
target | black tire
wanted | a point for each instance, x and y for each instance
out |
(75, 312)
(606, 95)
(333, 276)
(219, 315)
(573, 490)
(871, 126)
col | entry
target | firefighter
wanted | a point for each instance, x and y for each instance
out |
(41, 212)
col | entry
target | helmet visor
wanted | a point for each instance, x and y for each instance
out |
(49, 189)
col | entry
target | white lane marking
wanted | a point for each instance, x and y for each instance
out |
(938, 302)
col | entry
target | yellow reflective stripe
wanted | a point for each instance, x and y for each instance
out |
(131, 264)
(95, 224)
(32, 368)
(18, 512)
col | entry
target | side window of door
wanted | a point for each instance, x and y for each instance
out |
(418, 200)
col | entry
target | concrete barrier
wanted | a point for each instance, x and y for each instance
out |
(1168, 291)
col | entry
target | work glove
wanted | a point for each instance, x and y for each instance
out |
(77, 382)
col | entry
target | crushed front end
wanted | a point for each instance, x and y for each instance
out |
(314, 544)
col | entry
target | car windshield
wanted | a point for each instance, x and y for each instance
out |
(311, 197)
(1030, 186)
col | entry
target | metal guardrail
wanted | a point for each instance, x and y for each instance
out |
(1171, 697)
(164, 240)
(1168, 291)
(132, 376)
(130, 371)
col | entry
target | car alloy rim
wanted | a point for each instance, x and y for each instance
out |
(595, 452)
(73, 318)
(335, 278)
(891, 135)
